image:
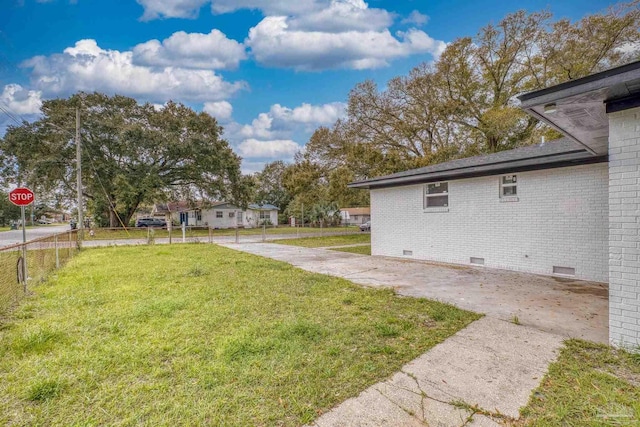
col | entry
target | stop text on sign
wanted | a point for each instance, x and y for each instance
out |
(21, 196)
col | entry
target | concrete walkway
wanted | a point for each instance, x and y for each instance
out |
(480, 376)
(569, 308)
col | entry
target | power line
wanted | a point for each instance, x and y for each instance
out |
(6, 110)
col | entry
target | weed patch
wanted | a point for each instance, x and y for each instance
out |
(589, 385)
(44, 390)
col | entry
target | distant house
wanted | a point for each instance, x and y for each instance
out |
(355, 216)
(216, 214)
(568, 208)
(258, 215)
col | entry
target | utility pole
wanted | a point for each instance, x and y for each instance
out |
(79, 174)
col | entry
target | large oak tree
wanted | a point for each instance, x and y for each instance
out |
(132, 154)
(465, 102)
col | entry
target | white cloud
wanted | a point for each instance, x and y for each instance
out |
(260, 127)
(191, 50)
(343, 15)
(272, 135)
(253, 148)
(309, 114)
(88, 67)
(18, 104)
(303, 35)
(416, 18)
(274, 44)
(20, 101)
(323, 15)
(269, 7)
(281, 122)
(221, 110)
(154, 9)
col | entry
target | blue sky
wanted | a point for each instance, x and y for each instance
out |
(271, 71)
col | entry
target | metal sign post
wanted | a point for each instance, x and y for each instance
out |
(23, 197)
(24, 249)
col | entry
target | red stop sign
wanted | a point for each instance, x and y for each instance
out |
(21, 196)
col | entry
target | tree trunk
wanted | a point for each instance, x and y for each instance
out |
(113, 219)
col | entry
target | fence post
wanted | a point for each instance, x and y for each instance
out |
(264, 231)
(55, 243)
(210, 235)
(184, 233)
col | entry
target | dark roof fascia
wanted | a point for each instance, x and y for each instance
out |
(596, 81)
(539, 159)
(524, 165)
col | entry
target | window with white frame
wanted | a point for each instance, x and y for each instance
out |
(232, 214)
(508, 186)
(436, 195)
(264, 215)
(198, 215)
(219, 214)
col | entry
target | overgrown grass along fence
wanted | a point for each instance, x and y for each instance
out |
(205, 232)
(42, 256)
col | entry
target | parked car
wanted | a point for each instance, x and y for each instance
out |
(366, 226)
(151, 222)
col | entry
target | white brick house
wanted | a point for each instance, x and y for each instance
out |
(569, 207)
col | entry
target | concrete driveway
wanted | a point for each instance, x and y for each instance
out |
(570, 308)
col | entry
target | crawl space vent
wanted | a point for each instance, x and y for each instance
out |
(477, 261)
(565, 271)
(406, 252)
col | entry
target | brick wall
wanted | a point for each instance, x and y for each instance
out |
(624, 236)
(560, 219)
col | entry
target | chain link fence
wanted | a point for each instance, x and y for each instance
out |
(32, 260)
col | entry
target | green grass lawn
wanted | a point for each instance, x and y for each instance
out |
(318, 242)
(361, 250)
(202, 335)
(589, 385)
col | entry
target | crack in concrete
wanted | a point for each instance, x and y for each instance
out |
(359, 272)
(407, 411)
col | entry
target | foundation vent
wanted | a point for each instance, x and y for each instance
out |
(477, 261)
(406, 252)
(565, 271)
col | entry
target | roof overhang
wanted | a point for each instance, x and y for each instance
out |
(535, 163)
(579, 108)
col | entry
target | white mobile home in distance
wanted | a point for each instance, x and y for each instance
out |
(568, 207)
